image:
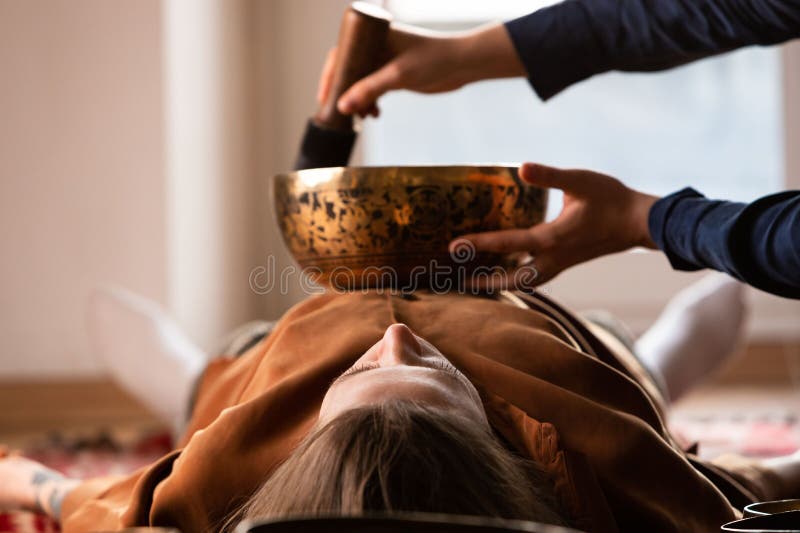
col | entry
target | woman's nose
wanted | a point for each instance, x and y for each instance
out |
(400, 346)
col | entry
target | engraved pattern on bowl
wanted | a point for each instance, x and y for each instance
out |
(351, 218)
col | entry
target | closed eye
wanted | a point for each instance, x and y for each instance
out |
(365, 367)
(447, 367)
(359, 368)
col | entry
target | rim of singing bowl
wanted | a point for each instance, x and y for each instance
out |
(318, 177)
(773, 523)
(772, 507)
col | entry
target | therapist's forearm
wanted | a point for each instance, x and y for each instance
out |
(488, 53)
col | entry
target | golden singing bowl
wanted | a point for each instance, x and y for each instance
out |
(356, 227)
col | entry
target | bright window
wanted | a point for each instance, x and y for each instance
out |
(715, 124)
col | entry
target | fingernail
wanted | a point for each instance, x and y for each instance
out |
(455, 244)
(530, 170)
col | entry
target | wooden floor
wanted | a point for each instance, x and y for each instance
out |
(763, 377)
(28, 410)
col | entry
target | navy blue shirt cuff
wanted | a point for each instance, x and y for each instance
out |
(657, 223)
(758, 243)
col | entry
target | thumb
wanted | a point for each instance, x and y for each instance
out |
(571, 181)
(361, 97)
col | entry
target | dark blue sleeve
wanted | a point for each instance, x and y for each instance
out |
(568, 42)
(758, 243)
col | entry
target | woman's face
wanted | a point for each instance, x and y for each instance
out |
(403, 366)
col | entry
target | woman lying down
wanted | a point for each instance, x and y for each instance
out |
(508, 406)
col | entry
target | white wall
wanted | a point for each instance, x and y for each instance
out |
(791, 88)
(131, 143)
(81, 171)
(241, 79)
(299, 34)
(211, 166)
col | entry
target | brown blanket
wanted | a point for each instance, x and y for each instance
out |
(579, 405)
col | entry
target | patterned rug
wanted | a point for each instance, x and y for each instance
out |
(748, 435)
(82, 456)
(120, 453)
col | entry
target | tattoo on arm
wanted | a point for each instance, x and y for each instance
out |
(55, 500)
(48, 483)
(40, 477)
